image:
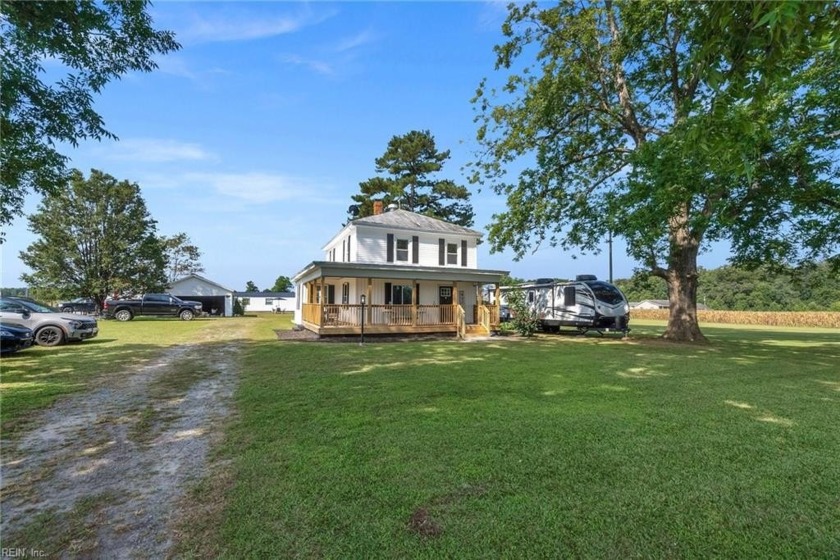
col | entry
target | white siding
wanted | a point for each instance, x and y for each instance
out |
(261, 303)
(339, 245)
(371, 246)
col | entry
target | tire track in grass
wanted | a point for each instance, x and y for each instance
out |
(101, 474)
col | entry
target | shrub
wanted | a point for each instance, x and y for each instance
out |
(523, 320)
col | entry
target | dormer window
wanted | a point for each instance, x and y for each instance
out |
(402, 250)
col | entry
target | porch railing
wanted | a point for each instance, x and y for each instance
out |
(350, 315)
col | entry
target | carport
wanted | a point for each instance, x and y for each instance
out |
(212, 296)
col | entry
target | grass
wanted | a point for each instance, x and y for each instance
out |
(560, 446)
(556, 447)
(33, 379)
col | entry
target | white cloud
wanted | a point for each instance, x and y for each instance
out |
(318, 66)
(255, 187)
(493, 13)
(178, 66)
(235, 26)
(342, 52)
(350, 43)
(155, 150)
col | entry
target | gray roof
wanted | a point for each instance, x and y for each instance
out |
(202, 279)
(334, 269)
(403, 219)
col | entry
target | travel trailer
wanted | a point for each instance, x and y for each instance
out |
(585, 304)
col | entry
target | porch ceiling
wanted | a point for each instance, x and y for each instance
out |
(320, 269)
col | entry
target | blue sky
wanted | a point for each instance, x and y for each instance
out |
(253, 137)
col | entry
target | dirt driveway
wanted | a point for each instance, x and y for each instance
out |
(102, 473)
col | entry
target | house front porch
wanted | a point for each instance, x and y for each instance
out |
(345, 298)
(349, 319)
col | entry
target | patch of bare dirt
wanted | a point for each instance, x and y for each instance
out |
(131, 447)
(423, 525)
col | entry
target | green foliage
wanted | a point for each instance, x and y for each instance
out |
(238, 309)
(95, 42)
(523, 320)
(282, 284)
(814, 287)
(409, 161)
(96, 239)
(14, 291)
(642, 286)
(182, 257)
(634, 117)
(251, 287)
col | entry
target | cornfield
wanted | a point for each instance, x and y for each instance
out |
(822, 319)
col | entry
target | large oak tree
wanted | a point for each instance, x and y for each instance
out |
(86, 44)
(671, 124)
(96, 238)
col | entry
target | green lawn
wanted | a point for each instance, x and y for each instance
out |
(560, 446)
(556, 447)
(34, 378)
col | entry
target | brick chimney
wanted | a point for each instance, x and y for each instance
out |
(377, 207)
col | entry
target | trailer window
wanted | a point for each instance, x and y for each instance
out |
(531, 296)
(606, 292)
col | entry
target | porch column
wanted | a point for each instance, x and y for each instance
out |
(415, 300)
(498, 296)
(369, 292)
(323, 300)
(479, 304)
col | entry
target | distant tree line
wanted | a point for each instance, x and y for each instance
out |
(815, 287)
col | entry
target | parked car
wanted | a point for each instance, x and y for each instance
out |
(50, 327)
(161, 305)
(85, 305)
(13, 339)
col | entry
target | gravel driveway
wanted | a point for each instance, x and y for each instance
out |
(103, 471)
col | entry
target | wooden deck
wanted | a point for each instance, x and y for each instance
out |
(347, 319)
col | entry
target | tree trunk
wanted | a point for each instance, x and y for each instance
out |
(682, 292)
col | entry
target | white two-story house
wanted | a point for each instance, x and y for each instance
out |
(398, 272)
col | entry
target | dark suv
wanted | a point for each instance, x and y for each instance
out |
(51, 327)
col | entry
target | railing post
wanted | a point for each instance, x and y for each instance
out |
(362, 341)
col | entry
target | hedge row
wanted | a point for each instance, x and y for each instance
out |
(824, 319)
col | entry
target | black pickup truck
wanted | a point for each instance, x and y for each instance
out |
(161, 305)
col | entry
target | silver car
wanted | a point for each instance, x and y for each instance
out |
(51, 327)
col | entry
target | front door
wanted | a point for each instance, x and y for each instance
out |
(445, 302)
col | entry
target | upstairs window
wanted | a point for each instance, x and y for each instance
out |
(451, 253)
(402, 250)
